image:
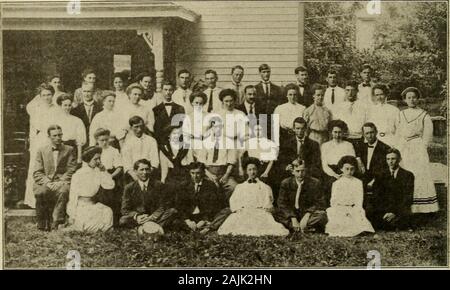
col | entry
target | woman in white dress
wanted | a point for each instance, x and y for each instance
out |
(193, 128)
(414, 133)
(251, 205)
(74, 132)
(40, 111)
(84, 212)
(119, 90)
(346, 215)
(383, 115)
(107, 119)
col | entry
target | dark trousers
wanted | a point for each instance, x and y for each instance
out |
(51, 205)
(165, 219)
(112, 197)
(398, 223)
(215, 222)
(316, 222)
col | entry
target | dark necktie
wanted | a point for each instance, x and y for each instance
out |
(216, 152)
(145, 188)
(210, 104)
(366, 85)
(393, 174)
(332, 96)
(251, 109)
(266, 85)
(299, 146)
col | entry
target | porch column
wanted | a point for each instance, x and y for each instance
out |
(154, 37)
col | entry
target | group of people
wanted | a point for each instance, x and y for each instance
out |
(245, 160)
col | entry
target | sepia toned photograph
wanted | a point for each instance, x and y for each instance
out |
(224, 135)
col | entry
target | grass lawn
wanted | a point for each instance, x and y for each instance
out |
(26, 247)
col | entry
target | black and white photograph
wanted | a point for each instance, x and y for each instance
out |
(224, 135)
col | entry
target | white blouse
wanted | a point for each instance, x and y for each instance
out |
(72, 127)
(384, 116)
(332, 152)
(251, 196)
(85, 183)
(347, 191)
(111, 158)
(415, 123)
(106, 119)
(288, 113)
(140, 148)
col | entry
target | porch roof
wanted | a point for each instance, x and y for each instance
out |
(93, 15)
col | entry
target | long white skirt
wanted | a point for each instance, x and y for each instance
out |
(347, 221)
(35, 143)
(252, 222)
(91, 217)
(415, 159)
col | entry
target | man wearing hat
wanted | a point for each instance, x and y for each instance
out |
(54, 166)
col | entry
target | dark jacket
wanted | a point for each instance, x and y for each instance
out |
(270, 102)
(378, 165)
(394, 195)
(311, 197)
(310, 153)
(80, 112)
(209, 200)
(163, 122)
(153, 201)
(307, 98)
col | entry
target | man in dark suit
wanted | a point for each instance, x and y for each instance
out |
(267, 92)
(55, 164)
(371, 153)
(251, 107)
(145, 200)
(88, 109)
(169, 117)
(300, 146)
(394, 190)
(201, 206)
(268, 95)
(305, 96)
(301, 205)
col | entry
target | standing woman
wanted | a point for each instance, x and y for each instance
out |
(40, 112)
(53, 80)
(414, 133)
(107, 119)
(192, 128)
(119, 90)
(332, 151)
(89, 77)
(74, 132)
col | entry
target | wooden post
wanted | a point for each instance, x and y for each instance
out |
(154, 37)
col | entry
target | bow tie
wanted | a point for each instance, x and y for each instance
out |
(251, 181)
(168, 104)
(55, 148)
(365, 85)
(370, 146)
(301, 86)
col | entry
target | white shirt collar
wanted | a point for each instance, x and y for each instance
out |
(374, 143)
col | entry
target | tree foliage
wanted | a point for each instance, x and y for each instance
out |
(410, 44)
